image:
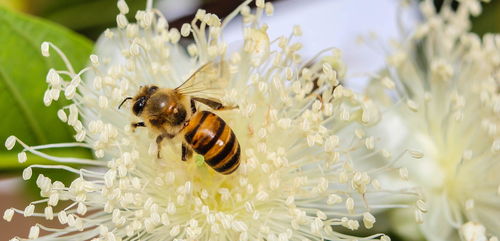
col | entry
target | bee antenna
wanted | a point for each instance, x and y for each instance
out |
(123, 102)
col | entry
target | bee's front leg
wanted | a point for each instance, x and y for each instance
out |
(159, 139)
(137, 124)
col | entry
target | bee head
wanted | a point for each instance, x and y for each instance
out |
(141, 99)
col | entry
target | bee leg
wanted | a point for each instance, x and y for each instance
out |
(193, 106)
(137, 124)
(214, 104)
(159, 139)
(186, 152)
(230, 107)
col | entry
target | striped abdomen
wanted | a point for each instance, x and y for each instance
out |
(210, 137)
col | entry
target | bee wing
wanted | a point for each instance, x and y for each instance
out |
(208, 81)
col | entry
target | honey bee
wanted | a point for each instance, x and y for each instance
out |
(173, 112)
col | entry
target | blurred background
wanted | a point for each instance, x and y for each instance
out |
(325, 23)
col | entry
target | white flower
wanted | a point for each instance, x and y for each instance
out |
(473, 232)
(444, 100)
(295, 124)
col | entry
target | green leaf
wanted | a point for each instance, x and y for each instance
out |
(22, 79)
(488, 21)
(9, 162)
(88, 17)
(80, 15)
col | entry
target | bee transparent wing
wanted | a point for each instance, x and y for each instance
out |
(208, 81)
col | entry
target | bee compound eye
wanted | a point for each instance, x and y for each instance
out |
(139, 105)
